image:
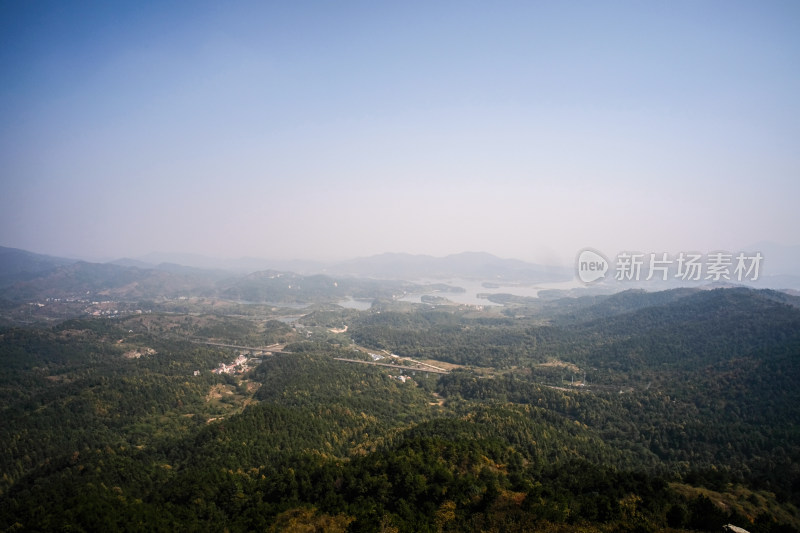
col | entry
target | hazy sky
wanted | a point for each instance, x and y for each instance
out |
(338, 129)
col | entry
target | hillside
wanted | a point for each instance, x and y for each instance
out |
(687, 419)
(20, 265)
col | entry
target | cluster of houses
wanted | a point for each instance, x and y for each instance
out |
(238, 366)
(106, 308)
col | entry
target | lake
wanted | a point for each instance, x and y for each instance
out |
(472, 288)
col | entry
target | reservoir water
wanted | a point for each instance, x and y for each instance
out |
(472, 288)
(361, 304)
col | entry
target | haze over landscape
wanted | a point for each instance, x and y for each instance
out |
(337, 130)
(418, 267)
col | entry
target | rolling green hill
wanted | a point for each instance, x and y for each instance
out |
(688, 420)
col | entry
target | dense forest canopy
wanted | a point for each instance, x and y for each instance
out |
(633, 412)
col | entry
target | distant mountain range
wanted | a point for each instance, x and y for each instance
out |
(779, 261)
(242, 265)
(27, 276)
(394, 266)
(19, 265)
(471, 265)
(31, 277)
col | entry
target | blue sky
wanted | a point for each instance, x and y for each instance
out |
(331, 130)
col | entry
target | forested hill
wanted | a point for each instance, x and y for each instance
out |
(644, 332)
(673, 411)
(20, 265)
(702, 328)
